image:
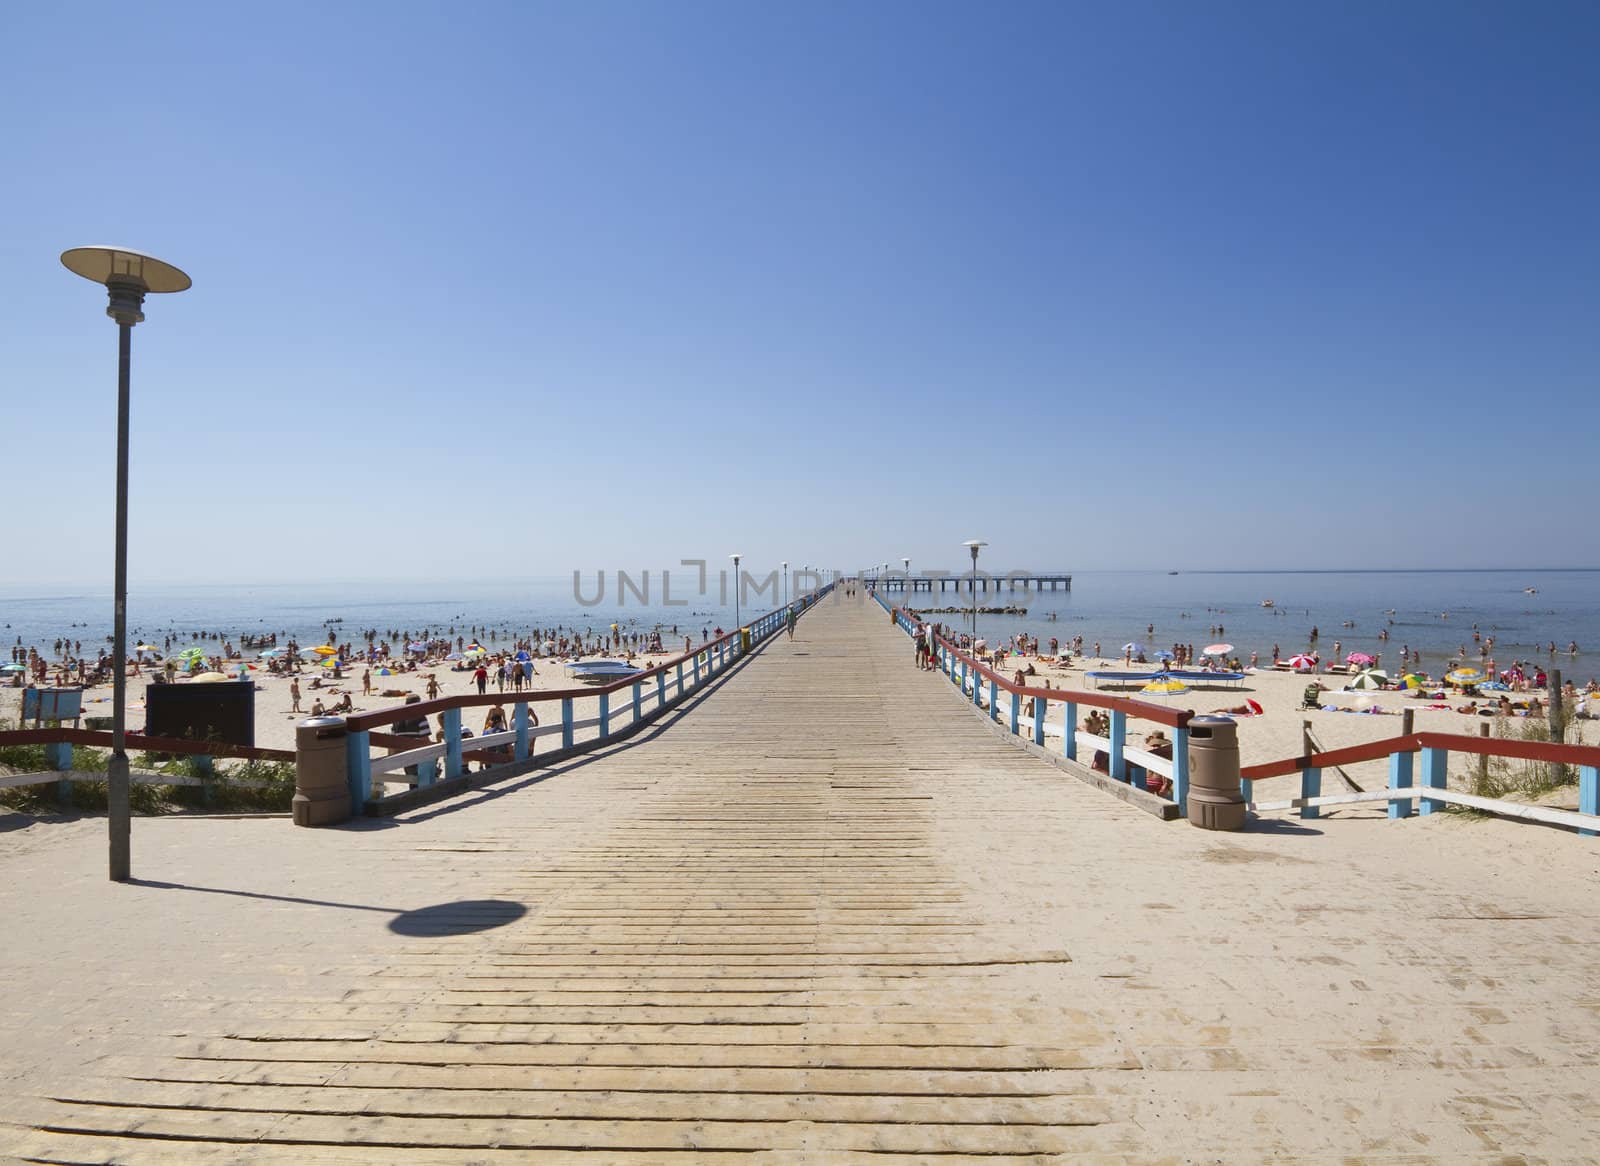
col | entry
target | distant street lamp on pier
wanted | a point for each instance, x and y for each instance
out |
(972, 544)
(736, 557)
(786, 583)
(907, 563)
(127, 276)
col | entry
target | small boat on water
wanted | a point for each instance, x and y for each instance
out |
(1530, 591)
(1269, 603)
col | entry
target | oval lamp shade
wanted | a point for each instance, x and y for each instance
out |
(102, 263)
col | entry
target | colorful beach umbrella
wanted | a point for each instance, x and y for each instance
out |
(384, 672)
(1413, 682)
(1466, 677)
(1166, 686)
(1302, 663)
(1217, 649)
(1359, 658)
(325, 650)
(1370, 678)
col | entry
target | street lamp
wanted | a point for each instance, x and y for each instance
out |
(128, 276)
(736, 556)
(907, 561)
(972, 544)
(786, 583)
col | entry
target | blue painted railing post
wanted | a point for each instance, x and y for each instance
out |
(1069, 731)
(450, 719)
(661, 690)
(605, 714)
(638, 700)
(427, 773)
(566, 722)
(680, 677)
(963, 677)
(1588, 794)
(1310, 787)
(358, 769)
(58, 756)
(697, 668)
(1119, 730)
(1016, 711)
(1041, 709)
(1434, 765)
(1400, 778)
(520, 722)
(994, 700)
(1180, 769)
(1247, 790)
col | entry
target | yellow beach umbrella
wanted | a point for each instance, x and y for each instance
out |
(1166, 686)
(325, 650)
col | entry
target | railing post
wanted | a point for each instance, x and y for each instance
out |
(963, 678)
(680, 677)
(1119, 729)
(1247, 790)
(605, 715)
(1016, 711)
(661, 690)
(519, 721)
(1435, 762)
(427, 773)
(1180, 769)
(1069, 742)
(638, 700)
(1041, 709)
(1400, 778)
(697, 667)
(205, 766)
(566, 722)
(1310, 787)
(358, 769)
(994, 700)
(1588, 794)
(58, 756)
(451, 720)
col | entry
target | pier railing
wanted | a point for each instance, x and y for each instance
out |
(1418, 762)
(580, 719)
(58, 742)
(1124, 763)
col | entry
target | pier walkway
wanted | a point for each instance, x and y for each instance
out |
(820, 913)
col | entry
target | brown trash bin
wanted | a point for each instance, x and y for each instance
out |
(321, 790)
(1216, 801)
(744, 641)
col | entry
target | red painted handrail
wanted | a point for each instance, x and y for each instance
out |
(102, 737)
(1547, 751)
(1176, 718)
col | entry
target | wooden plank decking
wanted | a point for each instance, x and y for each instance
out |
(822, 915)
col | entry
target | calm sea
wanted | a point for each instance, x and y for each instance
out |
(1434, 611)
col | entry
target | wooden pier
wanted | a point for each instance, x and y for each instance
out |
(820, 912)
(1033, 581)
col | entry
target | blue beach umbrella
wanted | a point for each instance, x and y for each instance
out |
(522, 656)
(1163, 655)
(1135, 648)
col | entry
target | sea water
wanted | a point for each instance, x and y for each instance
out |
(1435, 612)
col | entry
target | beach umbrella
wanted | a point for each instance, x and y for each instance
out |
(145, 648)
(13, 667)
(474, 653)
(384, 672)
(1302, 663)
(1413, 682)
(325, 650)
(1359, 658)
(269, 653)
(1465, 677)
(1217, 649)
(1166, 686)
(522, 657)
(332, 662)
(192, 654)
(453, 656)
(1134, 648)
(1163, 655)
(1371, 678)
(209, 678)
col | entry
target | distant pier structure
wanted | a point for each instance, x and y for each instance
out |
(1033, 580)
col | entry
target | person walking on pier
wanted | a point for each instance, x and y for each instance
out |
(788, 622)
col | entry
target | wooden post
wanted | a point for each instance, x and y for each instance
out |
(519, 721)
(661, 690)
(1435, 764)
(1588, 794)
(566, 722)
(1483, 758)
(1016, 711)
(1119, 729)
(1069, 735)
(1310, 787)
(1180, 768)
(1553, 705)
(994, 700)
(1041, 709)
(451, 719)
(358, 769)
(1400, 768)
(58, 756)
(605, 715)
(638, 700)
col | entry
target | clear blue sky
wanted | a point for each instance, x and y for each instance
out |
(490, 290)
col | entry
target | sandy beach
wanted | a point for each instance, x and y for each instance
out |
(1277, 733)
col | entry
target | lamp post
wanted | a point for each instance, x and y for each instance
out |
(972, 544)
(786, 584)
(736, 556)
(905, 559)
(127, 276)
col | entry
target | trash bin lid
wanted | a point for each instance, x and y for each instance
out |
(321, 723)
